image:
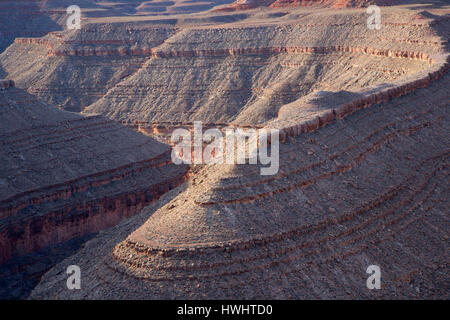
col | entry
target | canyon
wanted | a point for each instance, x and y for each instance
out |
(231, 233)
(64, 176)
(85, 148)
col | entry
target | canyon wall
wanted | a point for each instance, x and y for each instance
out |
(354, 193)
(251, 4)
(124, 51)
(5, 84)
(243, 70)
(64, 175)
(75, 83)
(361, 100)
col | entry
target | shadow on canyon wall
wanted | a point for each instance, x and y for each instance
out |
(16, 21)
(20, 275)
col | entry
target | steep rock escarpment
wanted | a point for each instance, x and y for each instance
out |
(363, 164)
(177, 6)
(333, 3)
(23, 18)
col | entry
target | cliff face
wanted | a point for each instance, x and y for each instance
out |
(23, 18)
(36, 18)
(177, 6)
(362, 116)
(363, 161)
(64, 175)
(333, 3)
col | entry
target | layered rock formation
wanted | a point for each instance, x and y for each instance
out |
(333, 3)
(240, 5)
(315, 108)
(244, 5)
(364, 153)
(163, 7)
(363, 180)
(64, 175)
(138, 72)
(23, 22)
(72, 80)
(23, 18)
(265, 68)
(35, 18)
(251, 4)
(368, 189)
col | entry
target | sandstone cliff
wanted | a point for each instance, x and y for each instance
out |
(244, 72)
(364, 157)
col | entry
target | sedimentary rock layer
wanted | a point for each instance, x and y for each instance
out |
(35, 18)
(356, 192)
(251, 4)
(368, 187)
(5, 84)
(363, 161)
(64, 175)
(294, 121)
(140, 71)
(244, 5)
(75, 82)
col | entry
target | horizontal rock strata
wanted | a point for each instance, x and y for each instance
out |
(363, 163)
(251, 4)
(130, 51)
(354, 193)
(364, 99)
(64, 175)
(75, 83)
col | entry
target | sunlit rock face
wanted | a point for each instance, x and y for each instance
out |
(64, 175)
(240, 5)
(244, 69)
(352, 193)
